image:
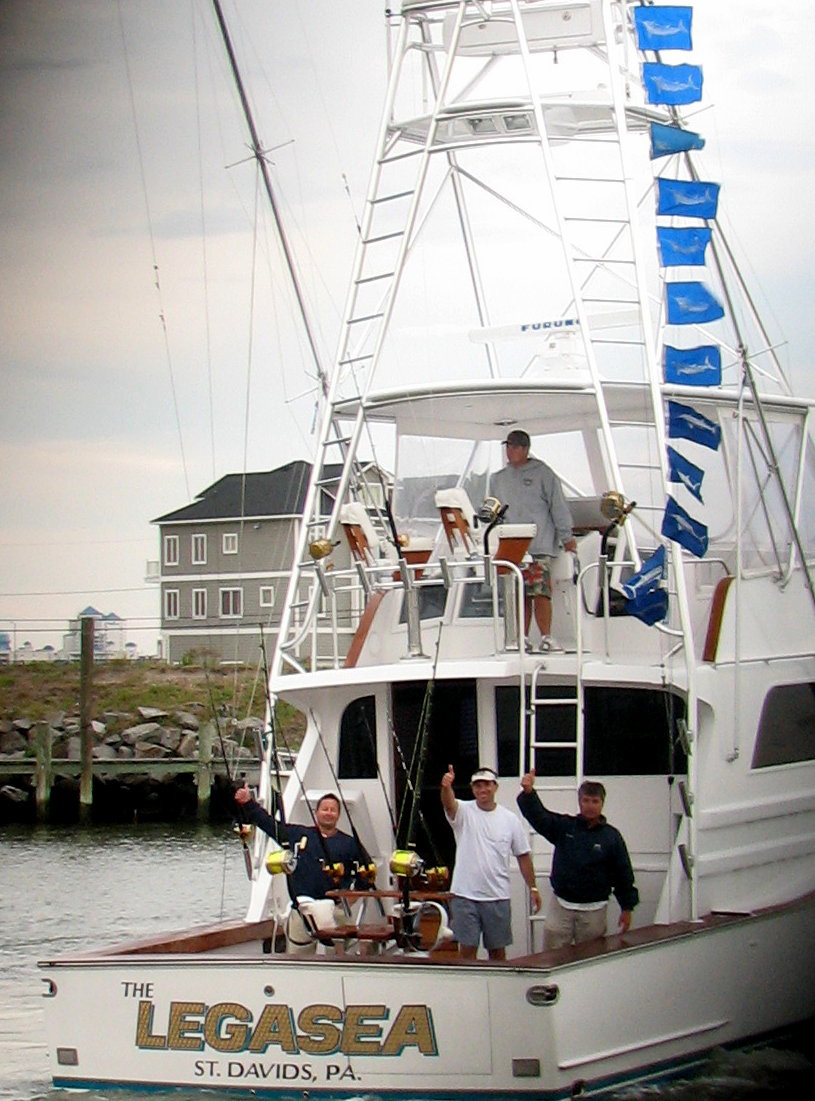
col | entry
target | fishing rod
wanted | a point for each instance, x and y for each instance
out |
(406, 864)
(241, 828)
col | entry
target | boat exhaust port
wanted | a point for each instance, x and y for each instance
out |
(546, 994)
(67, 1057)
(50, 989)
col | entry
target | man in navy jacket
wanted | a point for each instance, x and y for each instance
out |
(590, 863)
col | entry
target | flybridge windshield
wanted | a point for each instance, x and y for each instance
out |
(426, 465)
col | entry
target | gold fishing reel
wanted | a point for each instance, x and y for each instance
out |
(281, 862)
(614, 508)
(244, 831)
(437, 878)
(335, 872)
(406, 863)
(320, 548)
(365, 872)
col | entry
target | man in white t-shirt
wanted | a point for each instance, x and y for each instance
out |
(486, 836)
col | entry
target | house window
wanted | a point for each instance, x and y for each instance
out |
(170, 550)
(171, 603)
(199, 603)
(267, 596)
(230, 543)
(199, 550)
(231, 603)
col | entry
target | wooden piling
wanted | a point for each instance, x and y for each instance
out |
(203, 778)
(43, 774)
(85, 714)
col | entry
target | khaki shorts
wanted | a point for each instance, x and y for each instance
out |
(538, 576)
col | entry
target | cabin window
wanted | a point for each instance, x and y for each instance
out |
(230, 543)
(199, 603)
(433, 726)
(628, 732)
(786, 729)
(358, 740)
(476, 601)
(267, 596)
(432, 599)
(170, 550)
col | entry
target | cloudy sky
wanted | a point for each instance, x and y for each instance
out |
(147, 344)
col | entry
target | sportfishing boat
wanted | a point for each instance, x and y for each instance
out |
(540, 250)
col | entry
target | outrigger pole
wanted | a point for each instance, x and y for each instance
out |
(260, 156)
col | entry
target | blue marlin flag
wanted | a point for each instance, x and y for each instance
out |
(684, 423)
(700, 366)
(650, 607)
(691, 304)
(672, 139)
(687, 198)
(685, 472)
(647, 577)
(680, 527)
(672, 84)
(663, 27)
(684, 247)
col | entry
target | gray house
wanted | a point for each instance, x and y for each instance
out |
(224, 565)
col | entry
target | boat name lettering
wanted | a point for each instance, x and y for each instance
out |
(301, 1072)
(319, 1029)
(560, 323)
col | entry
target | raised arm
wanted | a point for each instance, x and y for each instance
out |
(448, 798)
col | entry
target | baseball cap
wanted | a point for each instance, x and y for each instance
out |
(484, 774)
(518, 437)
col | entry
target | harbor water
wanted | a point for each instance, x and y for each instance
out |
(64, 890)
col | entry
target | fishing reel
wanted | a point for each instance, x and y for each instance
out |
(614, 508)
(281, 862)
(406, 864)
(365, 873)
(335, 872)
(490, 510)
(438, 878)
(321, 548)
(244, 831)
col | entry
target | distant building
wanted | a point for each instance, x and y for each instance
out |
(108, 636)
(26, 654)
(225, 558)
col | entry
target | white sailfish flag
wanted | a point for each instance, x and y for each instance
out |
(691, 304)
(680, 527)
(685, 423)
(687, 198)
(672, 84)
(682, 247)
(663, 28)
(672, 139)
(685, 472)
(700, 366)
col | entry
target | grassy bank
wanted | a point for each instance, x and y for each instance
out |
(39, 690)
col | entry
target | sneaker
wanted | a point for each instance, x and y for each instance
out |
(549, 645)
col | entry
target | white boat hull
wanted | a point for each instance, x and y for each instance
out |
(642, 1007)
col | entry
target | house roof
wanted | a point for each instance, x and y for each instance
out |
(279, 492)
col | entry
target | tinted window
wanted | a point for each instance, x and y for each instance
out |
(627, 731)
(786, 729)
(358, 740)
